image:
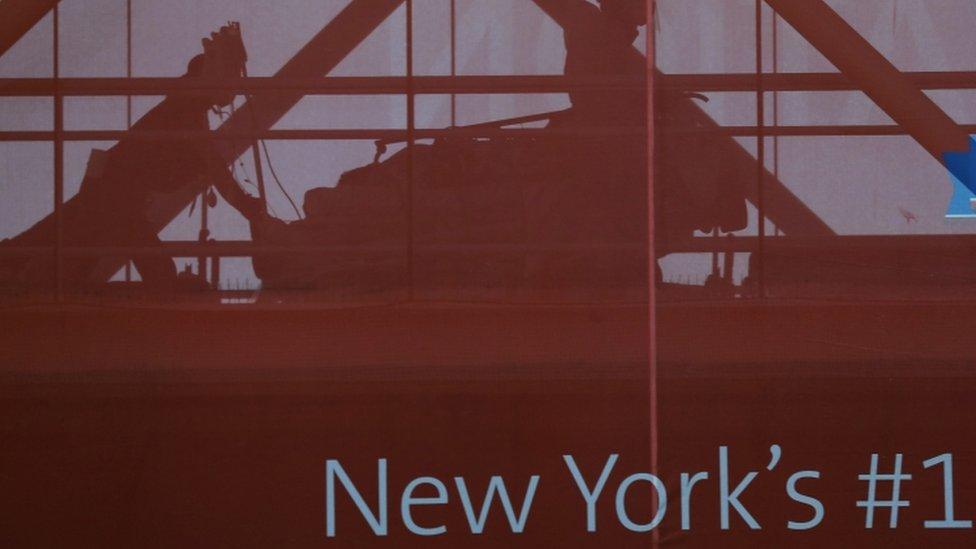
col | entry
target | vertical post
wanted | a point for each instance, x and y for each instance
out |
(58, 162)
(760, 154)
(204, 234)
(776, 104)
(453, 61)
(716, 238)
(128, 60)
(258, 174)
(215, 272)
(128, 98)
(410, 154)
(652, 255)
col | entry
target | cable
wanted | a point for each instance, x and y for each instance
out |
(274, 175)
(254, 124)
(247, 177)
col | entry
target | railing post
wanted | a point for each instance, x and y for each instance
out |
(58, 162)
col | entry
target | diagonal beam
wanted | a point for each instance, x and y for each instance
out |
(783, 208)
(17, 17)
(320, 56)
(880, 80)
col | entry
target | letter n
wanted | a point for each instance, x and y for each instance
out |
(334, 470)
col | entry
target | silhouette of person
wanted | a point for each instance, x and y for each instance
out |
(139, 172)
(600, 50)
(119, 204)
(593, 197)
(694, 189)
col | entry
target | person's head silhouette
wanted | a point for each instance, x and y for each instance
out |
(223, 59)
(199, 67)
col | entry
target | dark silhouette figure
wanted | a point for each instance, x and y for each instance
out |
(696, 187)
(595, 195)
(118, 203)
(600, 47)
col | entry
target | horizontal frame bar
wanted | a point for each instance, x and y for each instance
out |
(952, 244)
(324, 135)
(422, 85)
(865, 130)
(246, 248)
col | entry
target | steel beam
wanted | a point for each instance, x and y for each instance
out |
(17, 17)
(319, 57)
(784, 208)
(888, 87)
(480, 84)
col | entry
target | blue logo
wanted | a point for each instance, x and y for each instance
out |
(962, 174)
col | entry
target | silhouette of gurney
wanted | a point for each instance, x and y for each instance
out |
(576, 207)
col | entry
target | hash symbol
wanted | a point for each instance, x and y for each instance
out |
(872, 502)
